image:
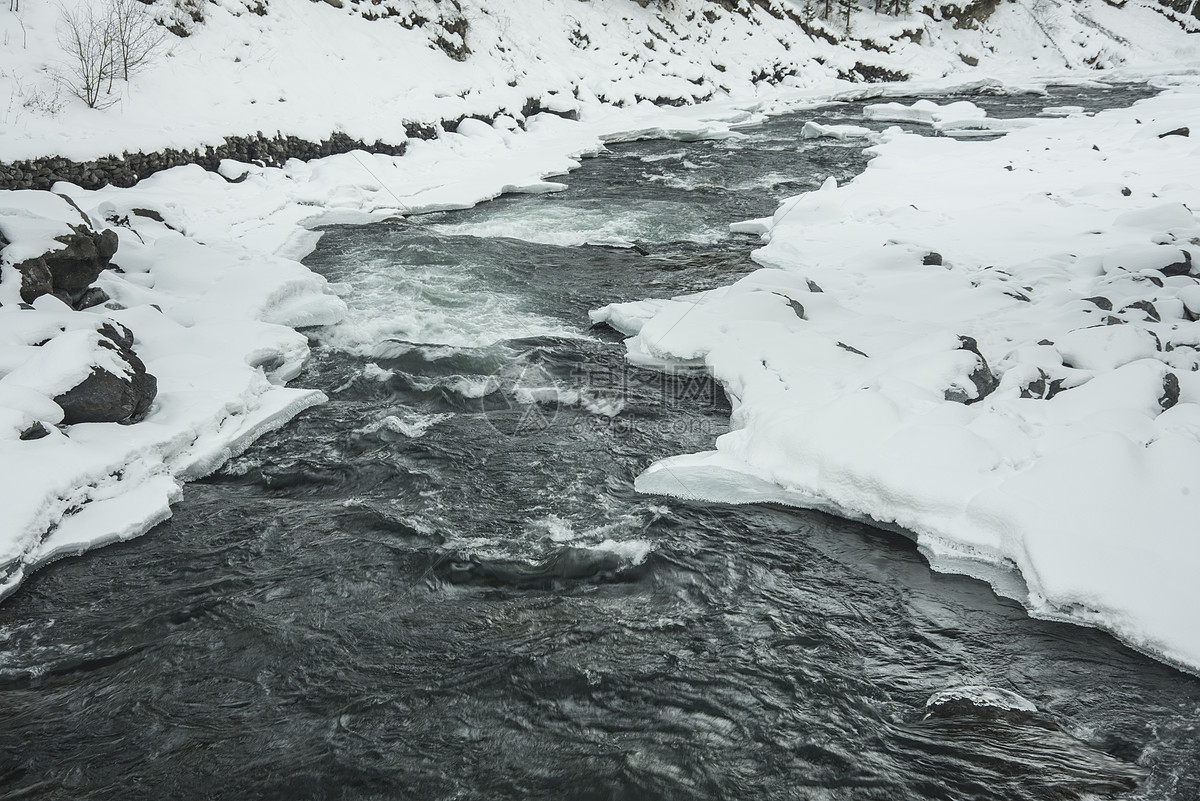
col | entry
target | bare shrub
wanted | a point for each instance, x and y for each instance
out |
(135, 32)
(85, 33)
(103, 43)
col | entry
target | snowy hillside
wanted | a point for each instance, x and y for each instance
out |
(377, 71)
(175, 301)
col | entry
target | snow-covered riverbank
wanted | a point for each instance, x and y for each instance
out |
(991, 345)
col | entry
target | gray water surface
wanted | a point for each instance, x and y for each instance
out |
(441, 585)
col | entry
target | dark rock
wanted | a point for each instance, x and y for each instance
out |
(35, 431)
(36, 279)
(83, 218)
(1043, 387)
(985, 703)
(149, 214)
(1147, 308)
(1183, 267)
(1170, 395)
(1177, 132)
(1126, 191)
(100, 398)
(852, 349)
(812, 286)
(797, 307)
(92, 296)
(73, 268)
(1037, 387)
(118, 334)
(982, 377)
(145, 388)
(104, 397)
(1101, 302)
(932, 259)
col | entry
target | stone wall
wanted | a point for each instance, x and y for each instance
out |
(128, 168)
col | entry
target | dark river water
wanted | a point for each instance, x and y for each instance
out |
(441, 584)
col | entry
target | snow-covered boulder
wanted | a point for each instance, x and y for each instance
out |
(54, 247)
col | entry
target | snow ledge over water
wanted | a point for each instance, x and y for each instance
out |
(992, 346)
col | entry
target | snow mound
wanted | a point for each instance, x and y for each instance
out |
(207, 319)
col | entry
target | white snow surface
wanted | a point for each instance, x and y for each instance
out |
(309, 69)
(215, 291)
(1082, 505)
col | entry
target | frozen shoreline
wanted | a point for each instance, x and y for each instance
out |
(1053, 453)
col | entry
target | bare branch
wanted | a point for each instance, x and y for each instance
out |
(137, 35)
(86, 36)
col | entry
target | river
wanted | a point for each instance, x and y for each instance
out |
(441, 584)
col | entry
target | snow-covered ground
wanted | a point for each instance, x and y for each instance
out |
(308, 69)
(213, 291)
(991, 345)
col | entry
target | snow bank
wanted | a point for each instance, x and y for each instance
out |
(373, 71)
(992, 346)
(211, 324)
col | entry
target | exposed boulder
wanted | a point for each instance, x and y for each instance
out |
(105, 397)
(70, 271)
(119, 334)
(109, 395)
(1148, 310)
(1044, 387)
(35, 431)
(36, 279)
(53, 245)
(1170, 395)
(982, 377)
(982, 703)
(1181, 267)
(92, 296)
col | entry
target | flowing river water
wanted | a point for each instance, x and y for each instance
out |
(441, 584)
